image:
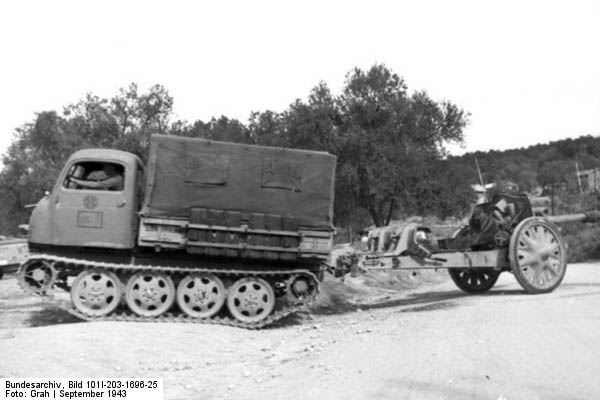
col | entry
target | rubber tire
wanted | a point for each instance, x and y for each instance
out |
(465, 287)
(513, 255)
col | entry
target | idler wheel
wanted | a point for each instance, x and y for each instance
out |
(201, 295)
(96, 293)
(538, 256)
(251, 300)
(301, 288)
(149, 294)
(36, 276)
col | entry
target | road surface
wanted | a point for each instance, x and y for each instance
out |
(433, 342)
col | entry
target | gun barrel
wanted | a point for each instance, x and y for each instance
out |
(592, 216)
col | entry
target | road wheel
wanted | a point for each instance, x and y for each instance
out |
(474, 280)
(538, 256)
(201, 295)
(251, 300)
(96, 293)
(150, 294)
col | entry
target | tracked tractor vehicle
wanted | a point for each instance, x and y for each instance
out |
(207, 231)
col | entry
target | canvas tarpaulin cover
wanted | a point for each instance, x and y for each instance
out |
(185, 173)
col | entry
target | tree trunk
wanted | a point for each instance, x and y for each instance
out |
(390, 212)
(375, 216)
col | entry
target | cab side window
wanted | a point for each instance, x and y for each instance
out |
(91, 175)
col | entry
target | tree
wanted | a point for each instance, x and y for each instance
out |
(40, 148)
(311, 125)
(389, 141)
(446, 190)
(223, 129)
(554, 176)
(31, 164)
(265, 128)
(385, 139)
(141, 115)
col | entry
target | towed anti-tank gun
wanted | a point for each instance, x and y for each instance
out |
(502, 235)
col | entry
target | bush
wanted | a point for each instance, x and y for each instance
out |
(583, 241)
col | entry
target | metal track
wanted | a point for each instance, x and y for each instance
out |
(128, 315)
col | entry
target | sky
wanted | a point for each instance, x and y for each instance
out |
(527, 72)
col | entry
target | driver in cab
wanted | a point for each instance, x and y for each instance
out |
(108, 178)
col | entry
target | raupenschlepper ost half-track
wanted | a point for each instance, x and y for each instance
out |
(207, 231)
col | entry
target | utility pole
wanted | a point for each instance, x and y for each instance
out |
(481, 180)
(578, 177)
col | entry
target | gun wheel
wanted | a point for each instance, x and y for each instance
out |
(96, 293)
(150, 294)
(474, 280)
(201, 295)
(251, 299)
(538, 256)
(36, 276)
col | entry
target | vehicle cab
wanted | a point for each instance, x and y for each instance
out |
(82, 211)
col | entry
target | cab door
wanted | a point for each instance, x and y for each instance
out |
(87, 217)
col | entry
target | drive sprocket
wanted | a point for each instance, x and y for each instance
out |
(36, 276)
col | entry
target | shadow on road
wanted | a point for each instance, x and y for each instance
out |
(290, 320)
(34, 315)
(462, 387)
(578, 285)
(418, 302)
(411, 388)
(50, 316)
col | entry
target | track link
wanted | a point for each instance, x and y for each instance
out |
(288, 307)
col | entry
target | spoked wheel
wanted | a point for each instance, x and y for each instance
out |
(538, 256)
(36, 276)
(201, 295)
(96, 293)
(251, 300)
(150, 294)
(474, 280)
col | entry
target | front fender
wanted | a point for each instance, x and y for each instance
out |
(40, 222)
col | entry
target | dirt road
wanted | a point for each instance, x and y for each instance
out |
(433, 342)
